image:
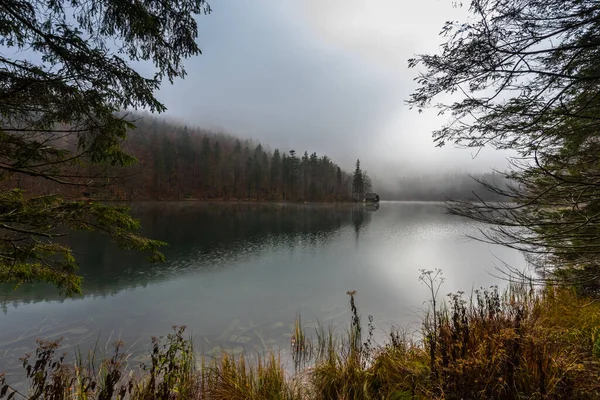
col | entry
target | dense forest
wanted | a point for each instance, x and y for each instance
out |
(177, 162)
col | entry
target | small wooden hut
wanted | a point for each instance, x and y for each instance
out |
(371, 198)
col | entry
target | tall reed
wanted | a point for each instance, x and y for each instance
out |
(519, 343)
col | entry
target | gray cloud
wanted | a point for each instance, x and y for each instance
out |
(325, 76)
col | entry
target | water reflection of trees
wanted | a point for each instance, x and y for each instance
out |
(361, 216)
(200, 236)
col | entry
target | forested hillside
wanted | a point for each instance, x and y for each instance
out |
(178, 162)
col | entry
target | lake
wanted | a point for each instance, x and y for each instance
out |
(239, 274)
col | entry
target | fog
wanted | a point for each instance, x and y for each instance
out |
(329, 77)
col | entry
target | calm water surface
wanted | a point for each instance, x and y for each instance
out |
(238, 274)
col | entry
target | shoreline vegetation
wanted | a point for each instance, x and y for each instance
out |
(525, 342)
(226, 201)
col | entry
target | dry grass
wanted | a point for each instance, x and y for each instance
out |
(521, 344)
(524, 344)
(236, 379)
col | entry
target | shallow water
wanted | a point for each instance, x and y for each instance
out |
(238, 275)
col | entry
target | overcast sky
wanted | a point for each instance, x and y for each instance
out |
(326, 76)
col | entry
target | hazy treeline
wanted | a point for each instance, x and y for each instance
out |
(179, 162)
(455, 186)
